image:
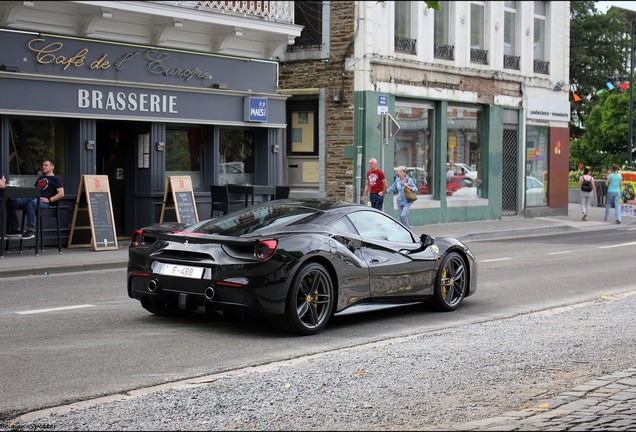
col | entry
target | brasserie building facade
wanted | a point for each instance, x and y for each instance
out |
(137, 113)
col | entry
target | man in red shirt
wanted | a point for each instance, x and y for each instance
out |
(376, 185)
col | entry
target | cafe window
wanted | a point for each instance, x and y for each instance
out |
(236, 156)
(183, 153)
(33, 141)
(413, 146)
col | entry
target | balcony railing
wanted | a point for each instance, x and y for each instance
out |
(405, 45)
(478, 56)
(511, 62)
(542, 67)
(280, 11)
(446, 52)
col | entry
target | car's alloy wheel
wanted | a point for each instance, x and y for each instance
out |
(310, 301)
(451, 282)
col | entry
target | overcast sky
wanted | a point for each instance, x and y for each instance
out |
(602, 6)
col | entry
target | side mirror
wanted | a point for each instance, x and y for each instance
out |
(427, 240)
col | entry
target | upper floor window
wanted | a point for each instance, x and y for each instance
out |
(541, 64)
(511, 60)
(443, 45)
(404, 40)
(478, 51)
(309, 15)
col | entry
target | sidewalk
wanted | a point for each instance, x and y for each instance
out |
(85, 259)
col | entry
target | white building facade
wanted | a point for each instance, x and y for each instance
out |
(482, 84)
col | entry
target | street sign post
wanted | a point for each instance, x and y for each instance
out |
(388, 127)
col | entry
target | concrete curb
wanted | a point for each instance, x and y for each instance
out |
(46, 270)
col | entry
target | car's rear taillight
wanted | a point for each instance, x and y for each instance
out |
(265, 249)
(137, 238)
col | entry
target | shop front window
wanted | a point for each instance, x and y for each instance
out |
(183, 153)
(464, 170)
(536, 181)
(414, 143)
(236, 156)
(33, 141)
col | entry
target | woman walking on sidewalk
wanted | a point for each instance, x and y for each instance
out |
(613, 183)
(588, 191)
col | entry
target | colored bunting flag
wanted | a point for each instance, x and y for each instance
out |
(610, 85)
(589, 97)
(624, 86)
(577, 98)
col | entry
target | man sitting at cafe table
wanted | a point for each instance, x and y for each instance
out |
(51, 190)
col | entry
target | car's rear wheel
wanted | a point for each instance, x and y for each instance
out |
(451, 283)
(309, 301)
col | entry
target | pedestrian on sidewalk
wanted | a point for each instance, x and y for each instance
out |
(613, 182)
(401, 182)
(376, 185)
(588, 192)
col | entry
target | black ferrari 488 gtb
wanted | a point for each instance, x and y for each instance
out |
(299, 262)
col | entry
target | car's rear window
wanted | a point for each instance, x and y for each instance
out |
(248, 221)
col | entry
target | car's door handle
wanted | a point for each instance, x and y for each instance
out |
(375, 261)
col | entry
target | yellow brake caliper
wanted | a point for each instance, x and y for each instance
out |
(448, 283)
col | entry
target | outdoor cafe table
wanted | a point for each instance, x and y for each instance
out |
(18, 192)
(249, 191)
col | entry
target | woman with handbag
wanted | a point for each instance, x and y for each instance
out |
(402, 185)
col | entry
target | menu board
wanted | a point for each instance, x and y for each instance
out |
(93, 221)
(178, 201)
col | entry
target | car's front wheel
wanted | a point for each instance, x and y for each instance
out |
(451, 283)
(309, 301)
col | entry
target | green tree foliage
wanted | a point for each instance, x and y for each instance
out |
(606, 128)
(599, 53)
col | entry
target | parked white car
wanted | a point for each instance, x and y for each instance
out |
(469, 170)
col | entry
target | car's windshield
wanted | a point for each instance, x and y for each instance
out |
(248, 221)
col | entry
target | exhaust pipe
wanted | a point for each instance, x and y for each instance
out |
(209, 293)
(152, 286)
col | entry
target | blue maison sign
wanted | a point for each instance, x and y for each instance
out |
(255, 109)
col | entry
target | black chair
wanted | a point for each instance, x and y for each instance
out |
(220, 200)
(282, 192)
(52, 211)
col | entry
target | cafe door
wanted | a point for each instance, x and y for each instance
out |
(115, 151)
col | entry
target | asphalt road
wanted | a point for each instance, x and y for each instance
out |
(103, 343)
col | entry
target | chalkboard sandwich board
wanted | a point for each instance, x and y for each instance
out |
(93, 220)
(178, 201)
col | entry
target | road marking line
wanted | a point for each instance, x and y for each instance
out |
(618, 245)
(557, 253)
(53, 309)
(496, 259)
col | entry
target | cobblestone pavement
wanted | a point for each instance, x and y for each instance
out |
(607, 403)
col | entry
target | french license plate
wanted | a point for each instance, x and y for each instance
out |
(181, 271)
